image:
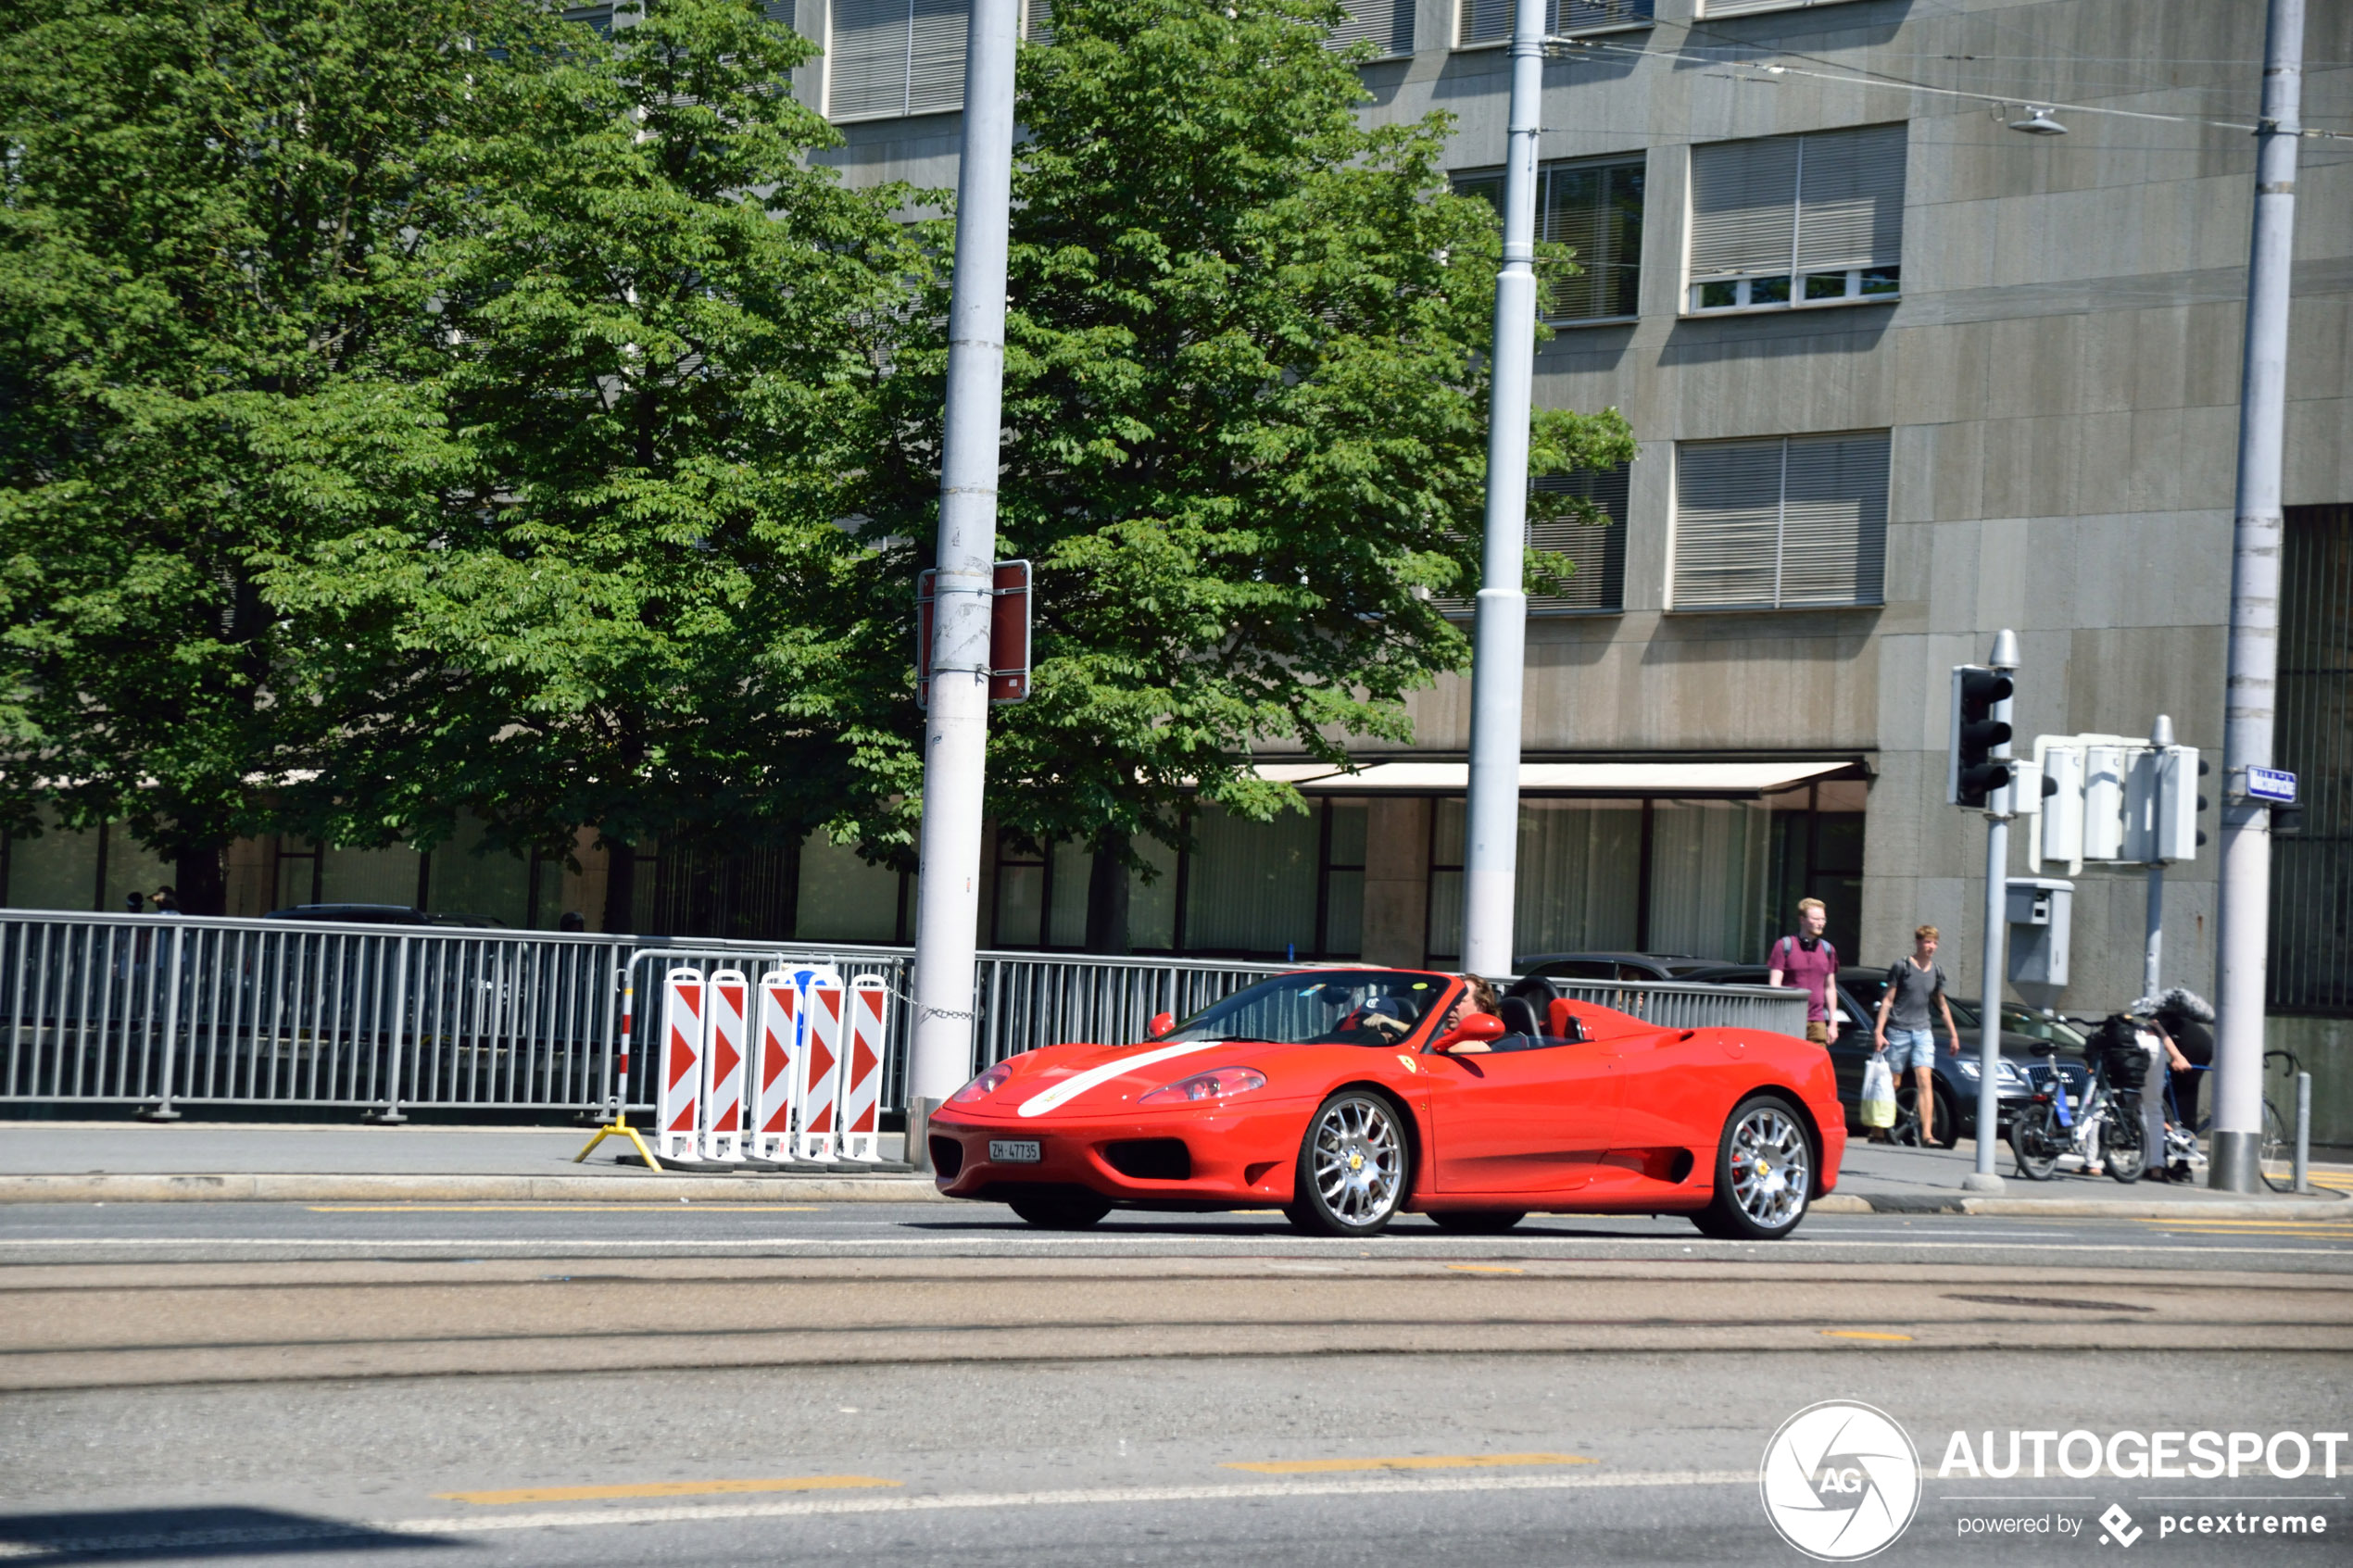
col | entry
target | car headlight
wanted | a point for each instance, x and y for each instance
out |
(1218, 1082)
(2010, 1074)
(980, 1088)
(1967, 1066)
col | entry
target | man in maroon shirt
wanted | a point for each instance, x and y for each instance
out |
(1808, 961)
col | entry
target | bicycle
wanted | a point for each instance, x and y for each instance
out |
(2275, 1145)
(2049, 1131)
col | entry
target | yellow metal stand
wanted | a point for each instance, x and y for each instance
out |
(619, 1127)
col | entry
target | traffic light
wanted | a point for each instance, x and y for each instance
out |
(1980, 724)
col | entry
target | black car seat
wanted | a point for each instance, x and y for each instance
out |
(1518, 1017)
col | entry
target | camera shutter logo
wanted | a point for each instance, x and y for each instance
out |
(1840, 1481)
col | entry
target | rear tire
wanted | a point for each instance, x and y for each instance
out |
(2123, 1151)
(1060, 1211)
(1478, 1222)
(1764, 1173)
(2033, 1141)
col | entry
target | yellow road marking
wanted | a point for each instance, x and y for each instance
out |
(560, 1207)
(2307, 1234)
(1484, 1269)
(1861, 1334)
(667, 1489)
(1257, 1211)
(2218, 1222)
(1417, 1462)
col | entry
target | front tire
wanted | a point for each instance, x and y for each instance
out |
(1763, 1173)
(1478, 1222)
(1350, 1176)
(1061, 1210)
(2034, 1141)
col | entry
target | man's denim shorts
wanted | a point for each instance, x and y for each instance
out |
(1909, 1048)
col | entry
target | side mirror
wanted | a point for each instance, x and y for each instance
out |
(1474, 1030)
(1161, 1025)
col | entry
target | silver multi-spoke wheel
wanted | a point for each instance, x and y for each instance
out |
(1771, 1172)
(1351, 1166)
(1764, 1173)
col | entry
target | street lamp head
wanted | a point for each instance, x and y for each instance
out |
(2038, 122)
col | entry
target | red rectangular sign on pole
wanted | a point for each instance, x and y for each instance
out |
(1008, 635)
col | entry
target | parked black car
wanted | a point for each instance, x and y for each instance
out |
(1611, 966)
(382, 914)
(1955, 1076)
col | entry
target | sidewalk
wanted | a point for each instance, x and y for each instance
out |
(230, 1161)
(1888, 1179)
(227, 1162)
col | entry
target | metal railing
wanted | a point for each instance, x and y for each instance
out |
(162, 1011)
(179, 1011)
(1682, 1004)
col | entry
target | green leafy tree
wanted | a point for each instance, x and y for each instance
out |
(205, 255)
(628, 605)
(1245, 418)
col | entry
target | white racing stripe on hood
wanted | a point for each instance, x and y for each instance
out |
(1069, 1089)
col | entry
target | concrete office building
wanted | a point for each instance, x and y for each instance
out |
(1902, 375)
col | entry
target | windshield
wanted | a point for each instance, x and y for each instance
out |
(2016, 1020)
(1353, 1006)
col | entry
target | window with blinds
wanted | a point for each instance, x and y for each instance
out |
(891, 58)
(1489, 21)
(1598, 586)
(1387, 24)
(1780, 523)
(1742, 8)
(1596, 209)
(1797, 221)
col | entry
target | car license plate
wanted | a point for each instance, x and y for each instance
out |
(1014, 1151)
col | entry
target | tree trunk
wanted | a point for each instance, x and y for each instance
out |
(620, 887)
(1107, 896)
(200, 880)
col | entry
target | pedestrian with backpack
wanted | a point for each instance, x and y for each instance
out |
(1808, 961)
(1914, 985)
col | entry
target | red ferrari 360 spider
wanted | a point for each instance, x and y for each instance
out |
(1345, 1096)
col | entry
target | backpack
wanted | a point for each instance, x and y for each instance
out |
(2117, 1051)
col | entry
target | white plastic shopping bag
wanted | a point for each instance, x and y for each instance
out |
(1879, 1093)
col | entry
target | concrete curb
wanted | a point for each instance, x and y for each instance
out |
(2316, 1207)
(295, 1187)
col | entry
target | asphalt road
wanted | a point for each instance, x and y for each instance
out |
(625, 1384)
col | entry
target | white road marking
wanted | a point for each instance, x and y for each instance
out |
(1696, 1243)
(803, 1507)
(474, 1524)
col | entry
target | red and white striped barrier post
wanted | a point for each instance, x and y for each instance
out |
(820, 1065)
(723, 1119)
(682, 1049)
(861, 1070)
(776, 1046)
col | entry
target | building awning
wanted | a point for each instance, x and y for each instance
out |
(1561, 778)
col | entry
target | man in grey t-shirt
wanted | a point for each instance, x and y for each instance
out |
(1913, 986)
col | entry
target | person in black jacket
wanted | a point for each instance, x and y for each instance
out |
(2188, 1021)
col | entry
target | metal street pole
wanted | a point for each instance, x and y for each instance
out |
(2242, 918)
(956, 724)
(2160, 736)
(1998, 805)
(1500, 638)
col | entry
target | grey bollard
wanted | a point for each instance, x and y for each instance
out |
(2304, 1132)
